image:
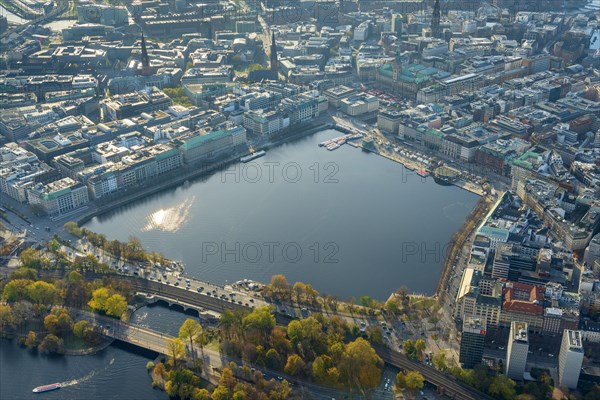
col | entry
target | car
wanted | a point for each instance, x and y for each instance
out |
(501, 348)
(177, 283)
(251, 300)
(199, 289)
(550, 355)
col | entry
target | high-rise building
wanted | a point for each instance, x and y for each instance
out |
(435, 20)
(570, 358)
(397, 25)
(517, 350)
(472, 342)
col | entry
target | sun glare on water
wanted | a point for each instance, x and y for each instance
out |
(169, 219)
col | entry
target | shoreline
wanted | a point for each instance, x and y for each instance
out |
(200, 172)
(446, 267)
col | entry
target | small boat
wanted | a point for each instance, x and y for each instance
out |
(47, 388)
(253, 156)
(423, 173)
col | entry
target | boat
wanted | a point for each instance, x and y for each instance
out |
(47, 388)
(422, 173)
(253, 156)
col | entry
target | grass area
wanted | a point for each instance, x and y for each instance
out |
(422, 303)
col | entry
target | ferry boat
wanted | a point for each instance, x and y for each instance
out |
(253, 156)
(46, 388)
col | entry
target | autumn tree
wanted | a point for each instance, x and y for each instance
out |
(360, 367)
(259, 322)
(294, 365)
(420, 348)
(176, 350)
(80, 327)
(52, 344)
(7, 319)
(31, 339)
(280, 287)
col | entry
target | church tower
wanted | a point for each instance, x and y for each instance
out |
(146, 70)
(274, 62)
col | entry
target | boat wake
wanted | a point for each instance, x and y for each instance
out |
(85, 378)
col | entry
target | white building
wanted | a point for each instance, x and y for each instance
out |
(516, 353)
(570, 359)
(58, 197)
(361, 32)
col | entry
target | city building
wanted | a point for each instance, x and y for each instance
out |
(472, 341)
(570, 359)
(58, 197)
(517, 350)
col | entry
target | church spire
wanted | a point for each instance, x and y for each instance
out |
(435, 20)
(274, 62)
(146, 70)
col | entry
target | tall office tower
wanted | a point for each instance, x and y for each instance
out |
(471, 342)
(516, 353)
(435, 20)
(570, 358)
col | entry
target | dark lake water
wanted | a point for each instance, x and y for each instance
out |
(349, 222)
(111, 374)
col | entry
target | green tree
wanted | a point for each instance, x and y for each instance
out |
(260, 322)
(80, 327)
(16, 290)
(414, 381)
(272, 359)
(41, 292)
(191, 330)
(73, 228)
(31, 258)
(53, 246)
(420, 348)
(439, 361)
(502, 387)
(409, 349)
(25, 273)
(116, 305)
